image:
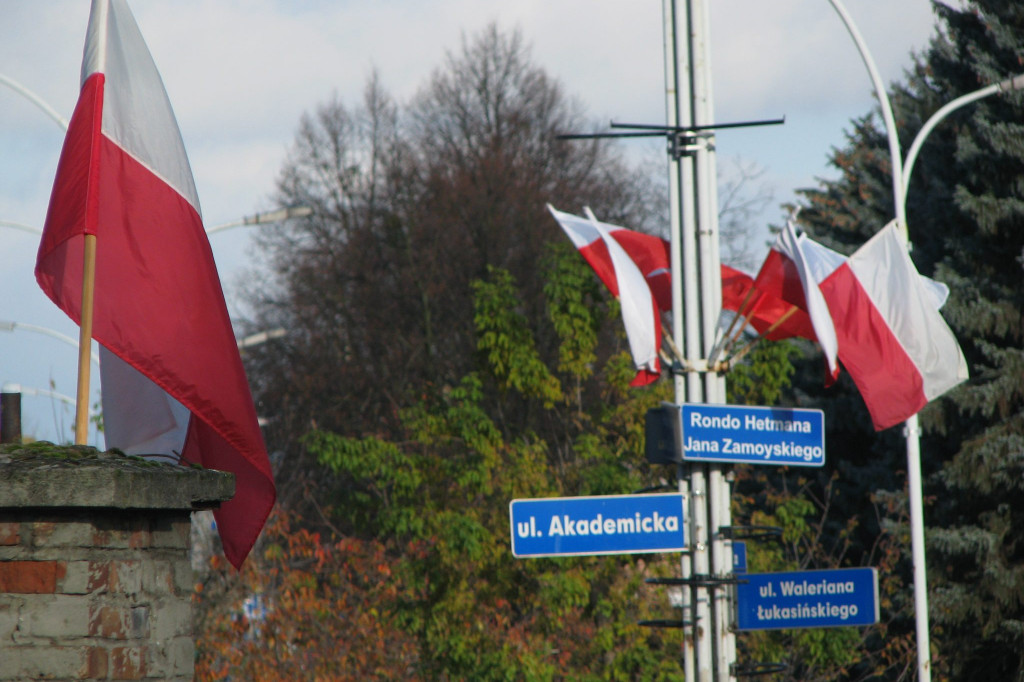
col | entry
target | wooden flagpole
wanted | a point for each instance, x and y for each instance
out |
(85, 341)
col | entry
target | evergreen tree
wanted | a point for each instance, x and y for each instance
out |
(966, 221)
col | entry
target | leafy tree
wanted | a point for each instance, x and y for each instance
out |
(436, 500)
(965, 214)
(303, 609)
(410, 205)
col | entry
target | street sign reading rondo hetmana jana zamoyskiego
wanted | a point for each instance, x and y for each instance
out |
(753, 435)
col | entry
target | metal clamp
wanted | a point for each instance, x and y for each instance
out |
(750, 532)
(701, 580)
(664, 623)
(755, 669)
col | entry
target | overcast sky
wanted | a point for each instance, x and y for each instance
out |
(240, 73)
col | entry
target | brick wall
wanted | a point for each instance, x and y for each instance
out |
(101, 598)
(95, 592)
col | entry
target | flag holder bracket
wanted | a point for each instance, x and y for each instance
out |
(699, 580)
(664, 623)
(751, 532)
(756, 669)
(679, 367)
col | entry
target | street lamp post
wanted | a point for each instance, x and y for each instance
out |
(8, 326)
(1015, 83)
(912, 430)
(900, 180)
(274, 216)
(261, 337)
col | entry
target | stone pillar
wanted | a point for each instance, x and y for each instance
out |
(95, 578)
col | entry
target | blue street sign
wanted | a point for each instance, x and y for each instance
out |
(739, 556)
(753, 435)
(807, 599)
(614, 524)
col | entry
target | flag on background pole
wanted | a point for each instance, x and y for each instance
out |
(884, 315)
(894, 343)
(771, 317)
(172, 379)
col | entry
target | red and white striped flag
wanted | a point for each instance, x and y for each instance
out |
(888, 331)
(621, 274)
(771, 316)
(172, 378)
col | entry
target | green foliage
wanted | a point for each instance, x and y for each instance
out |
(764, 375)
(573, 295)
(504, 338)
(447, 483)
(383, 481)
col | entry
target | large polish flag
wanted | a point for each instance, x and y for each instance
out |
(172, 379)
(892, 338)
(889, 333)
(626, 281)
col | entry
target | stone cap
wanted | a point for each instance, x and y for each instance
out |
(42, 474)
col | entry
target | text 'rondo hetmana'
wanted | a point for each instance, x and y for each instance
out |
(614, 524)
(756, 435)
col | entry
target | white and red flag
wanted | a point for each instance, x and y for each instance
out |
(772, 316)
(889, 333)
(172, 379)
(624, 278)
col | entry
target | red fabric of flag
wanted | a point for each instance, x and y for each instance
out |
(172, 379)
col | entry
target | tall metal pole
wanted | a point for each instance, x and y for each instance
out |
(718, 489)
(673, 90)
(912, 430)
(697, 299)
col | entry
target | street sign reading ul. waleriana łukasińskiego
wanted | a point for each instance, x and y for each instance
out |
(838, 597)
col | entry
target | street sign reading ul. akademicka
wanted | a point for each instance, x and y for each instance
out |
(753, 435)
(613, 524)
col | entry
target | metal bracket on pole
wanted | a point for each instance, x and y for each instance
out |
(709, 581)
(751, 532)
(664, 623)
(655, 488)
(755, 669)
(686, 143)
(683, 367)
(682, 140)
